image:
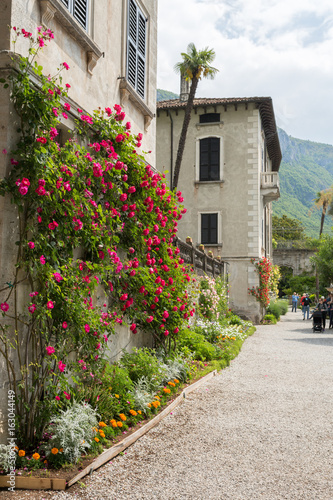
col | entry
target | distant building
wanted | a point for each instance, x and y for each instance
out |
(228, 177)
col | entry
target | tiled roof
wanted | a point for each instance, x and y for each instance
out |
(264, 104)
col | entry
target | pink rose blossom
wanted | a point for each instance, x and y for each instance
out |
(32, 308)
(65, 65)
(50, 304)
(61, 366)
(64, 325)
(57, 398)
(67, 396)
(4, 306)
(50, 350)
(31, 245)
(42, 259)
(87, 328)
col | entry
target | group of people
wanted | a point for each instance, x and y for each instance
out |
(324, 305)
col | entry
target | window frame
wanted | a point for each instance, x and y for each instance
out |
(198, 159)
(218, 228)
(70, 6)
(134, 50)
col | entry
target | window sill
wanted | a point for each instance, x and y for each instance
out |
(203, 183)
(199, 125)
(55, 9)
(214, 245)
(127, 93)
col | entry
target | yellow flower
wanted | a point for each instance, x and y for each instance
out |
(54, 451)
(116, 395)
(139, 412)
(21, 453)
(96, 439)
(149, 405)
(156, 404)
(122, 416)
(119, 424)
(36, 456)
(157, 397)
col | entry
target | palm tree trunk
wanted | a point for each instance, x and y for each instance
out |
(322, 220)
(182, 138)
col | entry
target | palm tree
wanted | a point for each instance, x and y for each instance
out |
(324, 199)
(194, 66)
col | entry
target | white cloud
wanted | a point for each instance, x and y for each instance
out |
(281, 49)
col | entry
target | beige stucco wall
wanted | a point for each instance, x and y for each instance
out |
(237, 199)
(107, 29)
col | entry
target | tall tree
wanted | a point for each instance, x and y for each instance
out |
(324, 200)
(194, 66)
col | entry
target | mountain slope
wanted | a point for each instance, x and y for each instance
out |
(306, 168)
(165, 95)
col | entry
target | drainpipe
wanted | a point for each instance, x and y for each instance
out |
(171, 150)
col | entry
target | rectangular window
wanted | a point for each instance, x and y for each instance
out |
(136, 48)
(210, 159)
(208, 229)
(209, 118)
(79, 10)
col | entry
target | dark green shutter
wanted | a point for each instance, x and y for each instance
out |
(209, 228)
(210, 159)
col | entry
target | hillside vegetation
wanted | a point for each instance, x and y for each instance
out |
(306, 168)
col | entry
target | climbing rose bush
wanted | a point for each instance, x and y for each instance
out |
(264, 269)
(94, 246)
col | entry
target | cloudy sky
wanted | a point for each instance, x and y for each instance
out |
(280, 48)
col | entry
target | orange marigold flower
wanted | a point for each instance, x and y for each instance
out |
(176, 381)
(133, 412)
(16, 448)
(45, 461)
(119, 424)
(96, 439)
(113, 423)
(172, 384)
(166, 390)
(149, 405)
(139, 412)
(54, 451)
(36, 456)
(102, 434)
(116, 395)
(21, 453)
(157, 397)
(102, 424)
(61, 449)
(122, 416)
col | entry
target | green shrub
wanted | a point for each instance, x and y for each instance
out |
(140, 363)
(198, 345)
(235, 320)
(278, 308)
(269, 319)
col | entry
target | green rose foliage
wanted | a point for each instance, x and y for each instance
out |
(96, 227)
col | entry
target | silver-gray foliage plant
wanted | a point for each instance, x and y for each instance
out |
(73, 431)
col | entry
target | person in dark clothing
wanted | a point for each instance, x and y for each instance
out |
(330, 311)
(306, 302)
(322, 306)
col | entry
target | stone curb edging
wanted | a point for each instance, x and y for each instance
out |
(39, 483)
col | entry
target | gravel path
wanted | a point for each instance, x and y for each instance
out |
(261, 429)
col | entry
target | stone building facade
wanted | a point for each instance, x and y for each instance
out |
(228, 177)
(111, 49)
